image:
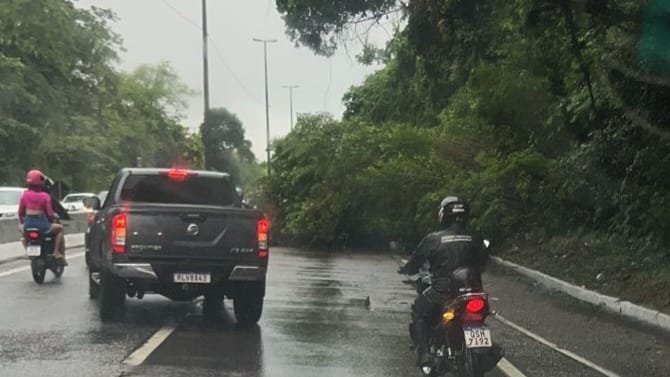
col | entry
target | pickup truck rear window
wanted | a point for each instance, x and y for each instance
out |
(194, 190)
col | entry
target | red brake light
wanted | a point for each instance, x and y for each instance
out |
(119, 226)
(91, 219)
(263, 227)
(33, 235)
(178, 175)
(475, 305)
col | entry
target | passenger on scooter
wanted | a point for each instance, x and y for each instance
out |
(36, 211)
(445, 250)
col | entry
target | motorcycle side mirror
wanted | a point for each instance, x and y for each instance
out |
(93, 203)
(487, 243)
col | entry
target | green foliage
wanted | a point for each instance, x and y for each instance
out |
(538, 112)
(316, 23)
(225, 147)
(65, 109)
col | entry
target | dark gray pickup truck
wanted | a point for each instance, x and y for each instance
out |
(178, 233)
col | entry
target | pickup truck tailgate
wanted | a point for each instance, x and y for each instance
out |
(195, 233)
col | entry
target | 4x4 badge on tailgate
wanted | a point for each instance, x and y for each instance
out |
(193, 229)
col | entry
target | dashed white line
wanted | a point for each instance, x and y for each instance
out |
(26, 268)
(137, 358)
(556, 348)
(508, 369)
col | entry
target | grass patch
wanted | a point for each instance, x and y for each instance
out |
(610, 266)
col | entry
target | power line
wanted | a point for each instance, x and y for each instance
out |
(182, 15)
(239, 81)
(217, 50)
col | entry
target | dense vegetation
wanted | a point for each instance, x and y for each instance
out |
(67, 110)
(550, 116)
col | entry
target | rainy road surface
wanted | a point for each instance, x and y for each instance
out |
(326, 315)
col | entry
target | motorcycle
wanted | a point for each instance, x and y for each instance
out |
(40, 249)
(460, 341)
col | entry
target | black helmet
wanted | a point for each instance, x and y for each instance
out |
(452, 209)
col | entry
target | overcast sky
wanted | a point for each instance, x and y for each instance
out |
(168, 30)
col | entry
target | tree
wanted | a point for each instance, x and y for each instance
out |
(65, 109)
(317, 23)
(225, 147)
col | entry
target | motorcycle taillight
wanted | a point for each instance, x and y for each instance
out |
(34, 236)
(475, 305)
(474, 310)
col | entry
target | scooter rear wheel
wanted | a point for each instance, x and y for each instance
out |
(39, 270)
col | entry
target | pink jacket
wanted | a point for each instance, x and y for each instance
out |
(35, 201)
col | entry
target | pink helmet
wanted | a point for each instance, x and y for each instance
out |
(35, 178)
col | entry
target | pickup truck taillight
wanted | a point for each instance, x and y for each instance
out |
(263, 227)
(119, 226)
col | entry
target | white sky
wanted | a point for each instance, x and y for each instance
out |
(168, 30)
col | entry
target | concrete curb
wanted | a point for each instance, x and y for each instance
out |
(612, 304)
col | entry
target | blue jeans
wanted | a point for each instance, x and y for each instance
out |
(37, 222)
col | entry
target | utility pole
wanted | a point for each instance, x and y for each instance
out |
(267, 100)
(205, 64)
(290, 90)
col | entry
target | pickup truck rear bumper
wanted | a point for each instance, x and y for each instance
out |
(145, 271)
(134, 271)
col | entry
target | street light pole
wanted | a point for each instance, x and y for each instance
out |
(290, 90)
(267, 99)
(205, 64)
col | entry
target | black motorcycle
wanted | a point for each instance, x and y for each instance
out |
(460, 341)
(40, 249)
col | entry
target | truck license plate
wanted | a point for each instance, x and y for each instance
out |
(477, 337)
(192, 277)
(33, 250)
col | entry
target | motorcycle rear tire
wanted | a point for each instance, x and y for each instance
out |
(39, 270)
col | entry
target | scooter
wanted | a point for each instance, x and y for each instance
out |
(40, 249)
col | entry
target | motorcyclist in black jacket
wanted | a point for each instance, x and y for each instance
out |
(446, 250)
(49, 187)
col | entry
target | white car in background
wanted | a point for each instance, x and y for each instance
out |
(75, 201)
(9, 201)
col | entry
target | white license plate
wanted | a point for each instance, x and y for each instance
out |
(192, 277)
(33, 250)
(477, 337)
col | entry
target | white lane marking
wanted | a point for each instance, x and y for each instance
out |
(508, 369)
(26, 268)
(556, 348)
(137, 358)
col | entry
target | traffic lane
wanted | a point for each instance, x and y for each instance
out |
(534, 359)
(624, 347)
(54, 329)
(325, 315)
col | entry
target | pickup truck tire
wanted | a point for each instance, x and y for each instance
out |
(248, 305)
(93, 287)
(213, 303)
(112, 296)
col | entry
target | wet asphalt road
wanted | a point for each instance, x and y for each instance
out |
(326, 314)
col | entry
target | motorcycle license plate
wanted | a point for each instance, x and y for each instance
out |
(192, 277)
(477, 337)
(33, 250)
